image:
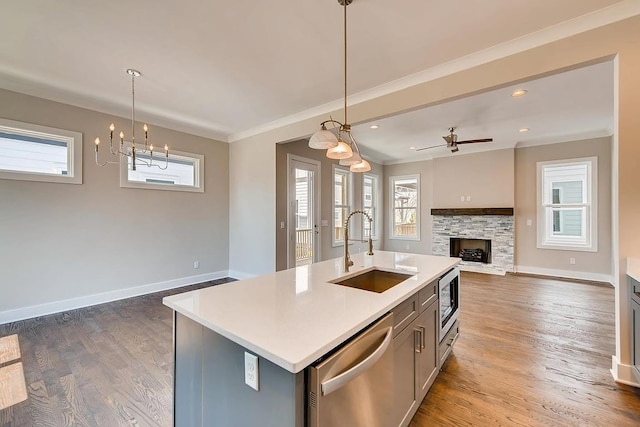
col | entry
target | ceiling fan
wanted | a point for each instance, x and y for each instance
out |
(452, 141)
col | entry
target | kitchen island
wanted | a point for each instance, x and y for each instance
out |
(289, 320)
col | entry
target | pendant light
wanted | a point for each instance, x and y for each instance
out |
(344, 146)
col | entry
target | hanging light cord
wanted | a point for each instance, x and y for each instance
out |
(345, 61)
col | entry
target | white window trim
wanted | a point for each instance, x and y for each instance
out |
(392, 235)
(336, 243)
(74, 152)
(591, 211)
(376, 204)
(198, 186)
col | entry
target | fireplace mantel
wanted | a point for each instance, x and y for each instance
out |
(472, 211)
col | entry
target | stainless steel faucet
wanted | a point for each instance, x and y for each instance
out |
(347, 259)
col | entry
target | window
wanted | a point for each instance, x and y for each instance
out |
(405, 195)
(38, 153)
(370, 204)
(341, 203)
(567, 204)
(184, 172)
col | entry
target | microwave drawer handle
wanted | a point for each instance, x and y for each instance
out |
(338, 381)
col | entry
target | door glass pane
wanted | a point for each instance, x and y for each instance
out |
(304, 216)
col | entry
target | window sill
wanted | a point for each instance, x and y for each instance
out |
(560, 247)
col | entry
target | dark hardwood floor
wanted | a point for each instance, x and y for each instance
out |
(532, 351)
(105, 365)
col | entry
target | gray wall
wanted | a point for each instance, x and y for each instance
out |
(62, 241)
(486, 178)
(300, 148)
(527, 254)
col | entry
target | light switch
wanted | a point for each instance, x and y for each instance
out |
(282, 224)
(462, 198)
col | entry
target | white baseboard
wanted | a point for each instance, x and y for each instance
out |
(580, 275)
(623, 373)
(101, 298)
(241, 274)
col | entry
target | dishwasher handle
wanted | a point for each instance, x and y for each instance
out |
(338, 381)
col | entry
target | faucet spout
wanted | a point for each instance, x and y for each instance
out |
(347, 259)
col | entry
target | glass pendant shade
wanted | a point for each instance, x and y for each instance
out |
(323, 139)
(363, 166)
(354, 159)
(340, 151)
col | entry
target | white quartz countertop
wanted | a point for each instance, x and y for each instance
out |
(293, 317)
(633, 268)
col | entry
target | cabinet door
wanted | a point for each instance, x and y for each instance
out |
(427, 358)
(404, 363)
(635, 325)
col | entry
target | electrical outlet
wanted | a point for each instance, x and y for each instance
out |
(196, 264)
(462, 198)
(468, 198)
(251, 371)
(572, 261)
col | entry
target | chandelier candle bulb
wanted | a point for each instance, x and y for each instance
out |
(131, 152)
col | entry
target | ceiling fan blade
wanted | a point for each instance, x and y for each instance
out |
(471, 141)
(433, 146)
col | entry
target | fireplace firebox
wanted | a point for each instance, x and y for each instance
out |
(474, 250)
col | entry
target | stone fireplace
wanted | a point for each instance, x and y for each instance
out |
(483, 238)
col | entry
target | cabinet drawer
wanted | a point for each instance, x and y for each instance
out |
(428, 295)
(404, 313)
(446, 345)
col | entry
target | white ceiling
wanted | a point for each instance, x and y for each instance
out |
(224, 68)
(567, 106)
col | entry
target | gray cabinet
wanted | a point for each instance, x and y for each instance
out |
(404, 375)
(635, 327)
(415, 346)
(426, 326)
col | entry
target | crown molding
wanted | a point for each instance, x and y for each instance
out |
(617, 12)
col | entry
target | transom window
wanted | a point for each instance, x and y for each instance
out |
(37, 153)
(341, 203)
(567, 204)
(184, 172)
(405, 194)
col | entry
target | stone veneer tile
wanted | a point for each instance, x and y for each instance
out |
(498, 229)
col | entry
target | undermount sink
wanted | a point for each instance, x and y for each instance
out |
(373, 280)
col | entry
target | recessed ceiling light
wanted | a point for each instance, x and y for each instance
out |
(412, 148)
(374, 126)
(518, 93)
(523, 130)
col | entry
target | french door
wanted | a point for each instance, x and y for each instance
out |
(303, 211)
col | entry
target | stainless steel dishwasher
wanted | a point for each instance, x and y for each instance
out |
(354, 386)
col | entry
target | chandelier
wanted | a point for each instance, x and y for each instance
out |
(140, 156)
(340, 145)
